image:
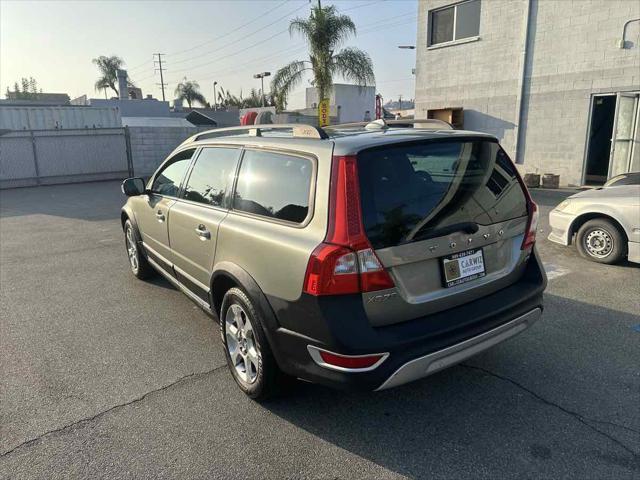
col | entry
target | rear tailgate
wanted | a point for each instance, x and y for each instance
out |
(446, 218)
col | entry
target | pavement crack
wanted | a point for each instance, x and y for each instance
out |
(581, 418)
(111, 409)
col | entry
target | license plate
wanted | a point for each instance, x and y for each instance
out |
(463, 267)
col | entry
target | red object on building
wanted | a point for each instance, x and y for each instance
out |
(249, 118)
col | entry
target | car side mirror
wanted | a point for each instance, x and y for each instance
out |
(133, 186)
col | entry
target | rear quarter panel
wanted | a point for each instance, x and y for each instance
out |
(276, 254)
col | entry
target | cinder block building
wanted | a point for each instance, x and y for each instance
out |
(557, 81)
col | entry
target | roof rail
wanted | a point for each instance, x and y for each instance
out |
(382, 124)
(298, 130)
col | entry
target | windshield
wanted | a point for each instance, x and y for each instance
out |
(417, 190)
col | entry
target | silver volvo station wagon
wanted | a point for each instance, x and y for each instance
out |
(362, 256)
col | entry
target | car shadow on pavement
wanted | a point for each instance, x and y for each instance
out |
(557, 401)
(94, 201)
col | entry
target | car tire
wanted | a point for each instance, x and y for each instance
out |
(600, 240)
(137, 261)
(246, 348)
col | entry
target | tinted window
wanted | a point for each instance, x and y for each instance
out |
(212, 176)
(274, 185)
(410, 191)
(167, 181)
(455, 22)
(468, 19)
(442, 25)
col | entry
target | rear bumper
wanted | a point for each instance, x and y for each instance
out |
(416, 348)
(436, 361)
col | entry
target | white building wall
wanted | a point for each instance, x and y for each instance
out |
(573, 53)
(353, 101)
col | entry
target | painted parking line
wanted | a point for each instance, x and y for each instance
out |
(555, 271)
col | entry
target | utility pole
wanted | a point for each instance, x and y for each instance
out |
(400, 101)
(161, 70)
(215, 99)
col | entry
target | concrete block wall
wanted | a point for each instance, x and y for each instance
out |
(480, 76)
(572, 54)
(151, 145)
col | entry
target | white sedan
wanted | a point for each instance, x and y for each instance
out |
(604, 223)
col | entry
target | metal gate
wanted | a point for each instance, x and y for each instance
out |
(45, 157)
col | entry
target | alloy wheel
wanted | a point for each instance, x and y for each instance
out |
(241, 344)
(132, 250)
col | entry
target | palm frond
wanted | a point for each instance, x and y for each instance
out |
(286, 79)
(355, 65)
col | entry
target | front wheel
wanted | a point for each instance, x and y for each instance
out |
(137, 261)
(601, 241)
(247, 351)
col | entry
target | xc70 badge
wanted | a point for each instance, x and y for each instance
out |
(381, 298)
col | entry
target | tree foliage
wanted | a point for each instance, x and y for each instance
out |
(26, 89)
(226, 99)
(189, 91)
(108, 68)
(324, 31)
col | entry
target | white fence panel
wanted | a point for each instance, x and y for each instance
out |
(42, 157)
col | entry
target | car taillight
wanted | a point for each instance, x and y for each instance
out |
(532, 227)
(529, 239)
(345, 262)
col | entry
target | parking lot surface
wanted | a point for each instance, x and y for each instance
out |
(102, 375)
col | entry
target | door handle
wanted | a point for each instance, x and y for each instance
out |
(202, 232)
(160, 216)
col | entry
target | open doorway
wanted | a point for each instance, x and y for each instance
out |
(614, 137)
(603, 111)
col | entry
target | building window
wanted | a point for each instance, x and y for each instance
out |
(454, 22)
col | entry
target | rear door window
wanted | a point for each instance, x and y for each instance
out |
(274, 185)
(212, 176)
(411, 191)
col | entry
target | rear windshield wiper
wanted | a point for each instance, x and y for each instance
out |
(466, 227)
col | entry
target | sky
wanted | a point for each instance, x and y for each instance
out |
(218, 40)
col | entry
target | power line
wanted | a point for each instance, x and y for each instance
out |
(252, 63)
(371, 29)
(247, 36)
(228, 33)
(146, 62)
(286, 30)
(359, 6)
(368, 28)
(179, 52)
(161, 70)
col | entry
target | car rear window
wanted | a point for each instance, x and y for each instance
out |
(410, 191)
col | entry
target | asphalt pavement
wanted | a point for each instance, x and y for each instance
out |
(102, 375)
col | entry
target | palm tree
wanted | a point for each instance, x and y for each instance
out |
(108, 67)
(254, 100)
(189, 91)
(325, 30)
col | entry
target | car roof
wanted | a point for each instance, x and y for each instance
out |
(346, 141)
(350, 142)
